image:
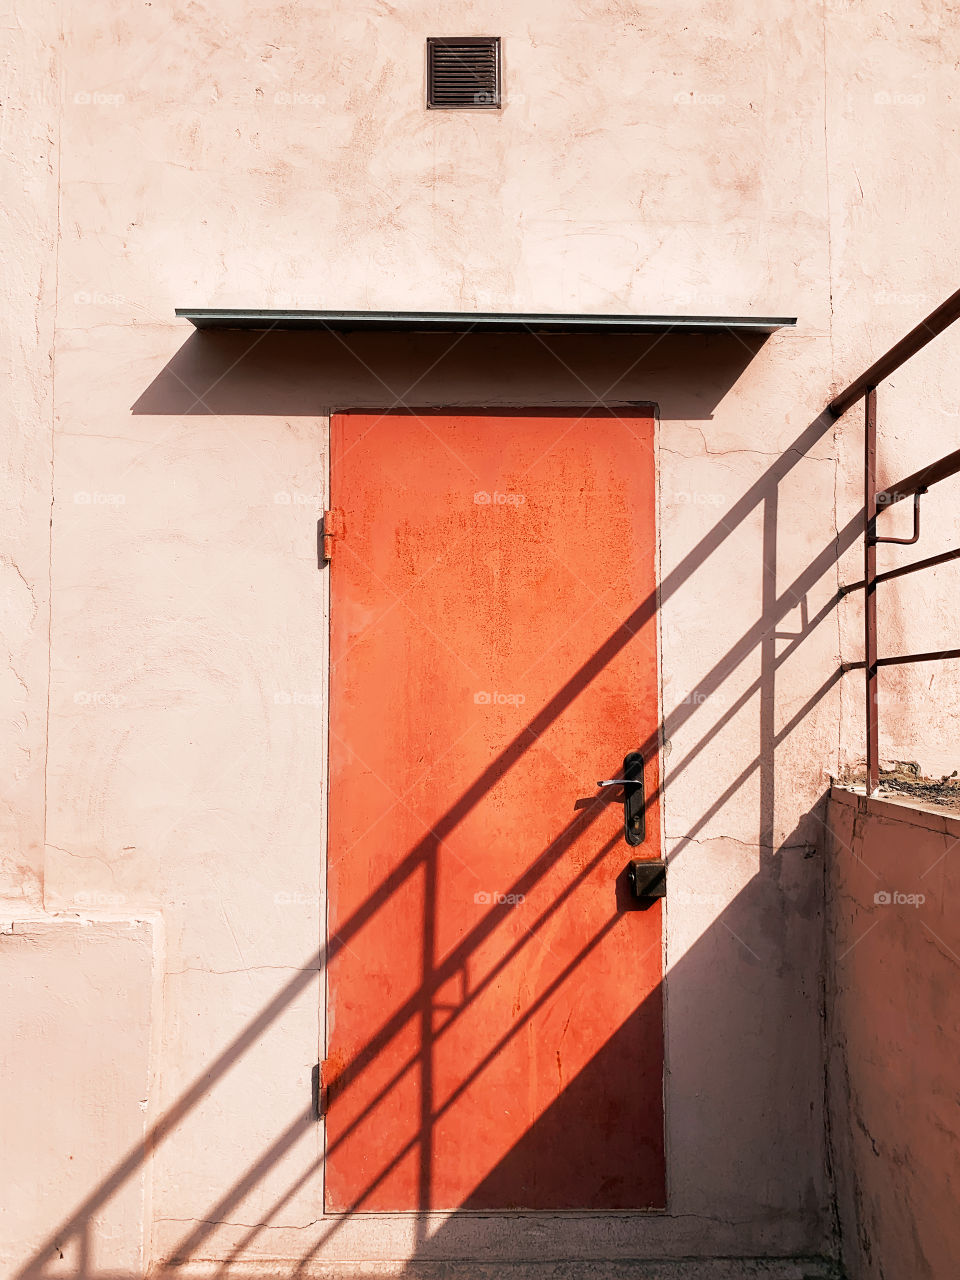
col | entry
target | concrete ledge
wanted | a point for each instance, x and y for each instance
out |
(900, 809)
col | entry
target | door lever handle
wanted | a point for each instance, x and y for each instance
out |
(634, 799)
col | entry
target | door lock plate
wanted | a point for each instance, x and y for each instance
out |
(647, 877)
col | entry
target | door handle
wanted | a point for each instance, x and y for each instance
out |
(634, 798)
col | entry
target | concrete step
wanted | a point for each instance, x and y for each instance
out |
(674, 1269)
(639, 1269)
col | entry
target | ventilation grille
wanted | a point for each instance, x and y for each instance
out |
(464, 74)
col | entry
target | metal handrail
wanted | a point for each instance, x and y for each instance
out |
(915, 485)
(929, 563)
(921, 480)
(935, 323)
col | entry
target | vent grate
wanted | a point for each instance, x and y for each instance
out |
(463, 74)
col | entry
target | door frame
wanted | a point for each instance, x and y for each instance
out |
(652, 408)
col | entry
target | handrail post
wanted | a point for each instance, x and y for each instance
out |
(870, 589)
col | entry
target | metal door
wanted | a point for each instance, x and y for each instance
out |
(494, 989)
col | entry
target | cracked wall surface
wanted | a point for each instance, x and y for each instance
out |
(708, 159)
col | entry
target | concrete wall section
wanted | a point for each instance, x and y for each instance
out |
(893, 950)
(702, 159)
(893, 138)
(269, 158)
(29, 159)
(78, 1060)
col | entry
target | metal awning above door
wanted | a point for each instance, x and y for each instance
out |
(475, 321)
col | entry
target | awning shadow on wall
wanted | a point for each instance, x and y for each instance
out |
(305, 374)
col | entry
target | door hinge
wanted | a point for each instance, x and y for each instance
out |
(316, 1091)
(325, 1080)
(329, 527)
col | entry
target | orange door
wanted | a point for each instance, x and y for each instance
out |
(495, 1034)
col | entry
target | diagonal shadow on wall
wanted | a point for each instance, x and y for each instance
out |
(734, 1029)
(714, 1026)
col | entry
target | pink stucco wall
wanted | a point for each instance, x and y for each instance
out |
(698, 158)
(893, 1035)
